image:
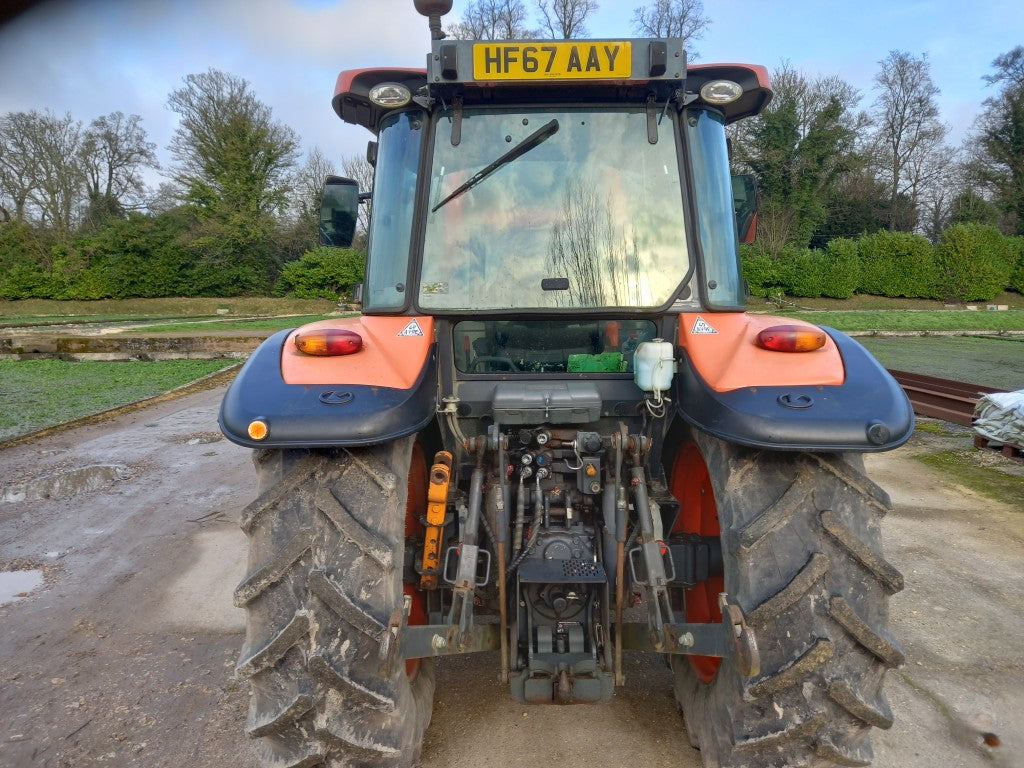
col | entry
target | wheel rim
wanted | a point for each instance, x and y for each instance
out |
(415, 511)
(690, 484)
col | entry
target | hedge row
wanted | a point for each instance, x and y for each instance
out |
(971, 262)
(323, 273)
(167, 255)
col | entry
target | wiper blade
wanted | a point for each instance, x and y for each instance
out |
(520, 149)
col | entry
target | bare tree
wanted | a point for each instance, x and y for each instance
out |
(673, 18)
(60, 178)
(910, 136)
(17, 172)
(939, 193)
(493, 20)
(53, 170)
(166, 197)
(306, 188)
(601, 259)
(308, 183)
(565, 18)
(358, 168)
(114, 152)
(40, 167)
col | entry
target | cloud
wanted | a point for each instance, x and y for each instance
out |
(92, 58)
(106, 55)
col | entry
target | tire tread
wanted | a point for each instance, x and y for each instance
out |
(886, 573)
(802, 550)
(325, 534)
(808, 576)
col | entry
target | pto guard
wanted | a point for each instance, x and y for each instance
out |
(385, 391)
(838, 398)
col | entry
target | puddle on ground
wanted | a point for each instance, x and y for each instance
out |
(16, 585)
(64, 484)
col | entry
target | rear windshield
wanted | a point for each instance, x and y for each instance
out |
(587, 213)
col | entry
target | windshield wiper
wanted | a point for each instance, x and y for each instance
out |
(520, 149)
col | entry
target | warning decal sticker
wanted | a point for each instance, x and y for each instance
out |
(413, 329)
(702, 326)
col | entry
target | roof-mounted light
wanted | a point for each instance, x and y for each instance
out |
(329, 341)
(791, 338)
(721, 92)
(390, 95)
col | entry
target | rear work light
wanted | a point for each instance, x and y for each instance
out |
(721, 92)
(329, 341)
(791, 338)
(390, 95)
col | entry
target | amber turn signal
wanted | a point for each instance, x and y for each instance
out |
(258, 429)
(791, 338)
(329, 341)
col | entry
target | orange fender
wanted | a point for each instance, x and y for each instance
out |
(393, 354)
(722, 348)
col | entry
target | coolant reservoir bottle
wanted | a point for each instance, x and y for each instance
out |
(654, 366)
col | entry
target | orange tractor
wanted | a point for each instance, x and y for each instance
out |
(554, 432)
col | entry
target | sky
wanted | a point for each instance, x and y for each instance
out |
(93, 57)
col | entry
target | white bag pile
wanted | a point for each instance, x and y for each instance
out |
(1000, 417)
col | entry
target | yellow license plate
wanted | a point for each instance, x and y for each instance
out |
(552, 61)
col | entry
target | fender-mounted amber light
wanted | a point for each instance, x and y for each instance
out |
(329, 341)
(791, 338)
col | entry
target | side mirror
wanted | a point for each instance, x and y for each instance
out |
(744, 200)
(339, 207)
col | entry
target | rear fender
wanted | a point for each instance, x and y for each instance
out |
(838, 398)
(385, 391)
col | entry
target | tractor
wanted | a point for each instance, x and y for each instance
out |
(554, 433)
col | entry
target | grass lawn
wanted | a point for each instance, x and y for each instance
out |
(987, 361)
(24, 321)
(263, 324)
(916, 320)
(47, 311)
(866, 301)
(860, 313)
(36, 394)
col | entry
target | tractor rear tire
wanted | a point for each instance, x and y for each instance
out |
(802, 558)
(326, 541)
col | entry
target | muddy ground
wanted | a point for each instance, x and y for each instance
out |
(124, 656)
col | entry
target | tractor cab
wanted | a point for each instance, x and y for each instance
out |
(546, 177)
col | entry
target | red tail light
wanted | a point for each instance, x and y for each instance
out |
(329, 341)
(791, 338)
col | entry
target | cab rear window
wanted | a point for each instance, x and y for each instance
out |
(549, 346)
